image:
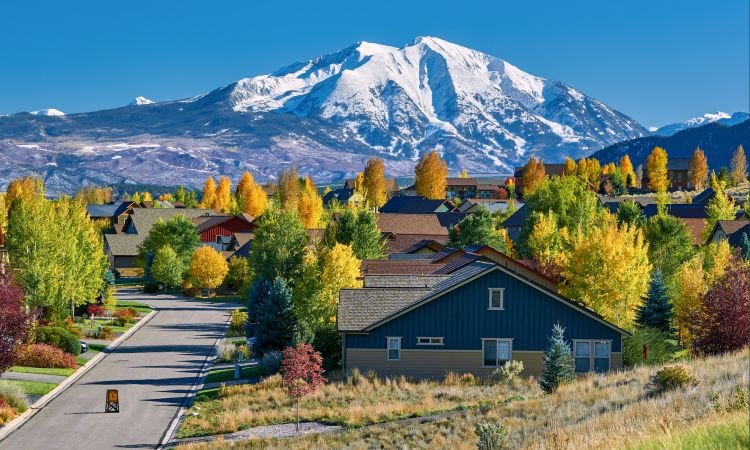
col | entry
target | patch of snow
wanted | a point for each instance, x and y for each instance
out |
(48, 112)
(139, 101)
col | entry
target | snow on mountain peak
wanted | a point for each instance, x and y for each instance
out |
(138, 101)
(48, 112)
(718, 116)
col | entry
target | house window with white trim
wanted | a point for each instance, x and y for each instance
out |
(429, 340)
(496, 352)
(394, 348)
(496, 300)
(592, 355)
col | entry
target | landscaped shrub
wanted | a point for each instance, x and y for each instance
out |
(507, 372)
(237, 323)
(661, 348)
(151, 287)
(229, 351)
(674, 376)
(124, 317)
(492, 436)
(60, 338)
(12, 396)
(106, 333)
(46, 356)
(6, 414)
(69, 325)
(96, 310)
(271, 362)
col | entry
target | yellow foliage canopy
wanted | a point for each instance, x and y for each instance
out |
(699, 169)
(374, 182)
(209, 193)
(533, 174)
(341, 269)
(252, 197)
(431, 176)
(310, 205)
(656, 166)
(207, 268)
(626, 167)
(223, 195)
(608, 270)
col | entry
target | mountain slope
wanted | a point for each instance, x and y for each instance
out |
(717, 140)
(328, 115)
(719, 117)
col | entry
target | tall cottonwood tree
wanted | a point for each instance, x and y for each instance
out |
(310, 205)
(739, 166)
(431, 175)
(289, 188)
(698, 169)
(208, 197)
(626, 167)
(533, 174)
(374, 182)
(223, 197)
(656, 167)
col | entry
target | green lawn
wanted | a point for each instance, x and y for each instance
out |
(138, 306)
(97, 347)
(728, 432)
(64, 372)
(219, 375)
(33, 387)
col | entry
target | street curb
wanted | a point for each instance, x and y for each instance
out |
(197, 385)
(16, 423)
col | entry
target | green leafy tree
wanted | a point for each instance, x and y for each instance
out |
(57, 253)
(167, 268)
(619, 183)
(670, 243)
(558, 365)
(279, 246)
(239, 274)
(656, 310)
(661, 348)
(271, 316)
(720, 207)
(477, 228)
(177, 232)
(575, 205)
(631, 213)
(358, 229)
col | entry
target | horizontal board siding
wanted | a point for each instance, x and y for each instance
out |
(462, 318)
(433, 363)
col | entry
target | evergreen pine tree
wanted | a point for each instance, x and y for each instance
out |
(558, 364)
(656, 310)
(745, 246)
(271, 318)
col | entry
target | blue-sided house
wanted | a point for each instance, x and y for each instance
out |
(472, 320)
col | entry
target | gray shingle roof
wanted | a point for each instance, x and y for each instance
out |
(362, 308)
(123, 244)
(407, 281)
(99, 211)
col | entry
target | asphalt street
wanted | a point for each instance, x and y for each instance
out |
(153, 370)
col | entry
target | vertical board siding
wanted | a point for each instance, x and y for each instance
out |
(462, 318)
(228, 228)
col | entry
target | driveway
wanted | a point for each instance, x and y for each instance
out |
(153, 370)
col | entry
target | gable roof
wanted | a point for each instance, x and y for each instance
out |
(426, 224)
(413, 204)
(143, 219)
(400, 243)
(101, 211)
(398, 266)
(733, 230)
(365, 309)
(123, 244)
(430, 244)
(518, 218)
(704, 197)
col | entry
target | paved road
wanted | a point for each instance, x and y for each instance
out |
(153, 370)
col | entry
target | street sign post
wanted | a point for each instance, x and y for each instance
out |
(112, 404)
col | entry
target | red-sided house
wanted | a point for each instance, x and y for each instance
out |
(220, 229)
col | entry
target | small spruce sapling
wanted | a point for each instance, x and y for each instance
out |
(558, 362)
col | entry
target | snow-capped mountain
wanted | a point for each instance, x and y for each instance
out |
(48, 112)
(719, 116)
(329, 115)
(138, 101)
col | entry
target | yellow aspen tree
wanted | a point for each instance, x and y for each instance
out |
(533, 174)
(698, 169)
(545, 240)
(147, 197)
(223, 195)
(209, 193)
(242, 191)
(374, 182)
(570, 167)
(720, 207)
(656, 168)
(609, 169)
(607, 269)
(431, 175)
(626, 167)
(289, 188)
(207, 268)
(593, 171)
(310, 205)
(687, 296)
(341, 269)
(464, 174)
(739, 166)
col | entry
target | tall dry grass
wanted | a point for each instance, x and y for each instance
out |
(594, 412)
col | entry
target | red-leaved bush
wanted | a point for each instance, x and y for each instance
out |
(43, 355)
(95, 310)
(302, 371)
(723, 322)
(14, 321)
(124, 316)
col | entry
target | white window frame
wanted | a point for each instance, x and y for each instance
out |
(502, 299)
(388, 348)
(592, 355)
(497, 360)
(430, 340)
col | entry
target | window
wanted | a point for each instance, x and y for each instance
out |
(496, 298)
(429, 341)
(495, 352)
(591, 355)
(394, 348)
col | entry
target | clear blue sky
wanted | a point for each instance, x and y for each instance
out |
(657, 61)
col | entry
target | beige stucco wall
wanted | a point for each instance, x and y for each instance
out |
(436, 363)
